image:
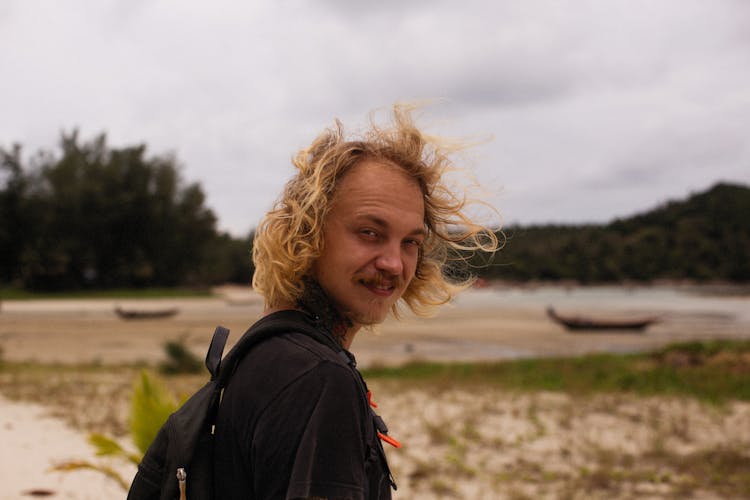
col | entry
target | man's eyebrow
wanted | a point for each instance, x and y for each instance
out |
(417, 231)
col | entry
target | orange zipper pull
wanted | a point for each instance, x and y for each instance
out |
(369, 399)
(388, 439)
(382, 429)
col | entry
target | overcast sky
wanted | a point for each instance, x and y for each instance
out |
(588, 110)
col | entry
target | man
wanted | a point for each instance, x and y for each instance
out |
(364, 228)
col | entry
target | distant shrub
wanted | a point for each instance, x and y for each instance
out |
(179, 358)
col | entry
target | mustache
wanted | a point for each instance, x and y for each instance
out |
(379, 279)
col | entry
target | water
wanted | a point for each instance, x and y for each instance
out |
(656, 300)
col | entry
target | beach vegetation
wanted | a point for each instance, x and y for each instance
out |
(180, 359)
(714, 371)
(150, 406)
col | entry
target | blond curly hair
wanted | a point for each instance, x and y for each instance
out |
(290, 238)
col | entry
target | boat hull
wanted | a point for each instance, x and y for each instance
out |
(580, 323)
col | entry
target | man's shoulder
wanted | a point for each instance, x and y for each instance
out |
(294, 347)
(287, 362)
(293, 333)
(285, 357)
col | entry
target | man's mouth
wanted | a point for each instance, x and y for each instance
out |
(381, 288)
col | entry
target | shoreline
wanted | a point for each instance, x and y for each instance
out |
(481, 324)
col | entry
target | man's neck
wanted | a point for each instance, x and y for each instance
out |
(344, 334)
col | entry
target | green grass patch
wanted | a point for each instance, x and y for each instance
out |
(115, 293)
(713, 371)
(716, 371)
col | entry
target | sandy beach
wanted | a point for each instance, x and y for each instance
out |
(482, 443)
(497, 323)
(33, 442)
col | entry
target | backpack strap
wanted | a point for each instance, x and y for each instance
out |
(215, 350)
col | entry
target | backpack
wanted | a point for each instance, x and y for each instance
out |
(179, 462)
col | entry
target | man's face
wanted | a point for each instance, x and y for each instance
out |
(371, 241)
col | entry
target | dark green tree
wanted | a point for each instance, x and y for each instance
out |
(15, 215)
(95, 216)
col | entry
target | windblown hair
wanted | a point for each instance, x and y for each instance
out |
(290, 237)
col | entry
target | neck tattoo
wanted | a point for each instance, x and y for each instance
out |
(316, 302)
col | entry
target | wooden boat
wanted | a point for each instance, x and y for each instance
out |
(587, 323)
(145, 314)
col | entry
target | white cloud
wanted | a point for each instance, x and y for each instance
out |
(598, 108)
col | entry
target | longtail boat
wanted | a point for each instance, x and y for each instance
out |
(145, 314)
(588, 323)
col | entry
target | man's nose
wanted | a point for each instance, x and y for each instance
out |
(390, 261)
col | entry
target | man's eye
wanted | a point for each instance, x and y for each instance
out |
(368, 233)
(414, 243)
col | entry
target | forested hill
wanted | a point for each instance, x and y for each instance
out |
(92, 216)
(703, 238)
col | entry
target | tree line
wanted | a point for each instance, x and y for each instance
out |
(92, 216)
(703, 238)
(97, 217)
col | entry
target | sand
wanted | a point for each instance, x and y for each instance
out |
(32, 443)
(480, 324)
(458, 444)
